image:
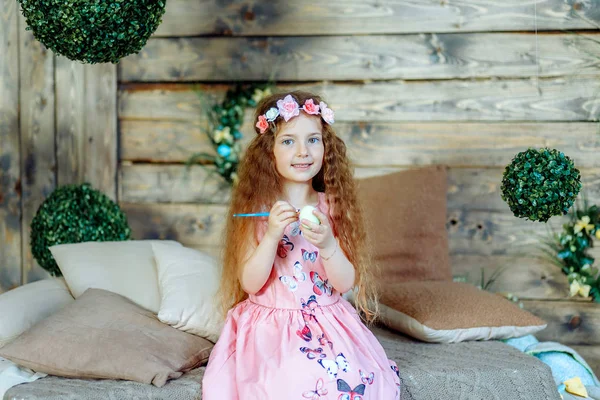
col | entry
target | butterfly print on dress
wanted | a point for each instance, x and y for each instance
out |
(334, 366)
(292, 281)
(317, 393)
(320, 286)
(350, 394)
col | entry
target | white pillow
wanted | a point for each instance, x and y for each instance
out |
(188, 281)
(123, 267)
(26, 305)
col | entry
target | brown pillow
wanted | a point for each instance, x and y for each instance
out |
(405, 218)
(448, 312)
(105, 335)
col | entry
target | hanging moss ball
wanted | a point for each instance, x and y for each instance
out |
(93, 31)
(539, 184)
(74, 214)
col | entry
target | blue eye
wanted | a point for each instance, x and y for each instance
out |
(313, 140)
(287, 142)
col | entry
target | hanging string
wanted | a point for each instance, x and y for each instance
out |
(537, 62)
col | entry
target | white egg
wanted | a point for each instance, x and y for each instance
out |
(307, 213)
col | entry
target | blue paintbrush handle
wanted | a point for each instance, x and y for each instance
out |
(260, 214)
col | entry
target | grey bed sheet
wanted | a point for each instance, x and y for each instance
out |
(488, 370)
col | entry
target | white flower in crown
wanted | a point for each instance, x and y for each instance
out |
(326, 113)
(288, 108)
(272, 114)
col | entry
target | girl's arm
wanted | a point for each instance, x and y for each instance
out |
(256, 269)
(339, 269)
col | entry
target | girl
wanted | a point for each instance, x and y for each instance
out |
(290, 335)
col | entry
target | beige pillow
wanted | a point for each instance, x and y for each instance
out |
(26, 305)
(124, 267)
(446, 312)
(104, 335)
(188, 282)
(405, 218)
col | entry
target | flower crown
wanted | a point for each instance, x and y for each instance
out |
(289, 108)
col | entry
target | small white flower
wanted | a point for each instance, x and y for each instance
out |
(272, 114)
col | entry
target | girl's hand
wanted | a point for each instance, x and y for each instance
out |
(319, 235)
(281, 215)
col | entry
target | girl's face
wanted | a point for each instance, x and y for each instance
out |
(299, 148)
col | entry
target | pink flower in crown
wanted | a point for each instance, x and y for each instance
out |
(262, 124)
(310, 107)
(326, 113)
(288, 107)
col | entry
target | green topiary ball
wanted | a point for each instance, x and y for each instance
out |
(93, 31)
(74, 214)
(539, 184)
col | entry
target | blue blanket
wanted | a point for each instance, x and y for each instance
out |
(564, 362)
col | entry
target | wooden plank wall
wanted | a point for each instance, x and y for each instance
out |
(58, 125)
(464, 84)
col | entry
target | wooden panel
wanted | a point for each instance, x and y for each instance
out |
(472, 188)
(527, 277)
(471, 232)
(313, 17)
(564, 99)
(101, 127)
(148, 183)
(190, 224)
(493, 233)
(342, 58)
(386, 144)
(591, 355)
(569, 322)
(70, 121)
(87, 124)
(10, 180)
(38, 162)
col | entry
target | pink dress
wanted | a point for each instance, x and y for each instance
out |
(298, 338)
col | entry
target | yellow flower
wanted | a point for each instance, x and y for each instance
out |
(598, 234)
(577, 288)
(223, 135)
(583, 223)
(260, 94)
(235, 178)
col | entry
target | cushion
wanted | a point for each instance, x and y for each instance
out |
(188, 282)
(104, 335)
(26, 305)
(123, 267)
(405, 218)
(446, 312)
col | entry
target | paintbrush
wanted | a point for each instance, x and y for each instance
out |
(258, 214)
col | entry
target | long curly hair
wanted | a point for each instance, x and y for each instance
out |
(260, 185)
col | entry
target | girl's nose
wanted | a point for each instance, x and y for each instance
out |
(302, 150)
